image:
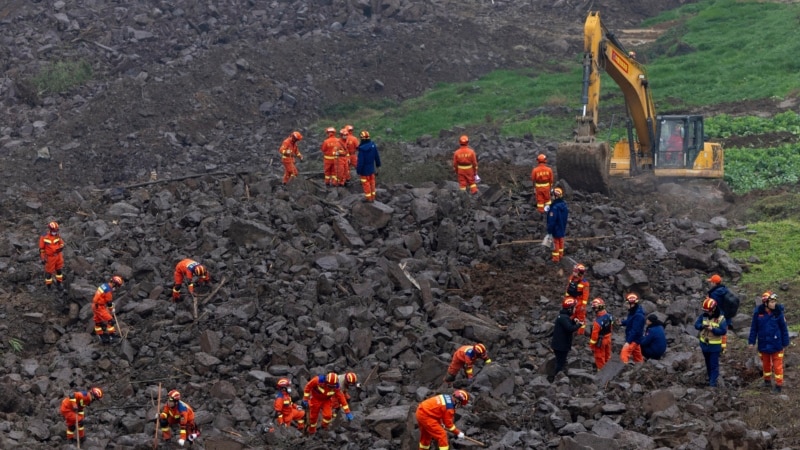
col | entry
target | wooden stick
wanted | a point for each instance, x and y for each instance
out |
(371, 373)
(119, 325)
(158, 411)
(216, 289)
(194, 306)
(475, 441)
(538, 241)
(78, 431)
(232, 432)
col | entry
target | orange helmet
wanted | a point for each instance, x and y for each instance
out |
(330, 130)
(364, 134)
(767, 296)
(96, 392)
(463, 140)
(53, 226)
(632, 298)
(598, 304)
(349, 128)
(709, 304)
(351, 378)
(541, 158)
(558, 192)
(579, 269)
(569, 303)
(462, 396)
(480, 349)
(174, 395)
(284, 383)
(297, 136)
(332, 379)
(716, 279)
(117, 280)
(200, 271)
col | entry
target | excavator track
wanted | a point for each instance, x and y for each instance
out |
(585, 166)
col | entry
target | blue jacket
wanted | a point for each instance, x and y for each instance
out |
(634, 325)
(718, 293)
(368, 158)
(770, 329)
(720, 330)
(654, 342)
(563, 331)
(557, 218)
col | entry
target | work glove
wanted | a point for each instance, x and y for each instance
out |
(349, 417)
(304, 403)
(488, 361)
(300, 156)
(44, 261)
(461, 435)
(546, 208)
(181, 442)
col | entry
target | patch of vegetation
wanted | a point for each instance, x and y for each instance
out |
(15, 344)
(748, 169)
(725, 126)
(395, 167)
(62, 76)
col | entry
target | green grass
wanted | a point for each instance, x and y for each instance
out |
(748, 169)
(62, 76)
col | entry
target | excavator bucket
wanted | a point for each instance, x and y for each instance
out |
(584, 166)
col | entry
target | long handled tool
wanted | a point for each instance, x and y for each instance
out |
(158, 411)
(116, 321)
(475, 441)
(78, 432)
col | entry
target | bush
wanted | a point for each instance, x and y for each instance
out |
(62, 75)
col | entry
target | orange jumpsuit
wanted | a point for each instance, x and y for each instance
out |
(463, 357)
(287, 411)
(335, 400)
(343, 162)
(600, 341)
(319, 396)
(101, 306)
(181, 414)
(542, 177)
(51, 248)
(578, 288)
(465, 163)
(331, 148)
(184, 270)
(433, 414)
(288, 152)
(351, 145)
(73, 410)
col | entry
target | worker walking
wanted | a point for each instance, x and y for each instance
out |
(561, 342)
(51, 253)
(557, 224)
(465, 164)
(465, 357)
(103, 309)
(578, 288)
(73, 409)
(188, 270)
(543, 180)
(712, 326)
(178, 412)
(367, 164)
(285, 409)
(437, 414)
(634, 330)
(318, 396)
(600, 340)
(289, 151)
(654, 342)
(331, 149)
(769, 328)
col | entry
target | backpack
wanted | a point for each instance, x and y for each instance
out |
(730, 304)
(605, 324)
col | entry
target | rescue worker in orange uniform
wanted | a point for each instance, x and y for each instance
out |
(318, 396)
(435, 415)
(350, 380)
(73, 408)
(285, 409)
(578, 288)
(331, 149)
(288, 152)
(543, 180)
(465, 164)
(51, 248)
(187, 270)
(769, 328)
(343, 160)
(103, 308)
(600, 340)
(465, 357)
(178, 412)
(351, 145)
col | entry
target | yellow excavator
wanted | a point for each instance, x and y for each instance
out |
(666, 146)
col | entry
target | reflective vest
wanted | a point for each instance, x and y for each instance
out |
(708, 336)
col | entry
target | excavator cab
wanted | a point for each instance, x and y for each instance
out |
(681, 149)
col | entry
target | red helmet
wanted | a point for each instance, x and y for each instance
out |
(463, 140)
(632, 298)
(297, 136)
(462, 396)
(541, 158)
(117, 280)
(351, 378)
(343, 132)
(364, 134)
(349, 128)
(480, 349)
(330, 130)
(332, 379)
(200, 271)
(767, 296)
(558, 192)
(598, 304)
(284, 383)
(53, 226)
(579, 269)
(174, 395)
(569, 303)
(709, 304)
(96, 392)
